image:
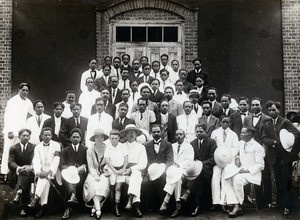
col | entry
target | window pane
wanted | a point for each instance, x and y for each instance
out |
(138, 34)
(154, 34)
(170, 34)
(122, 34)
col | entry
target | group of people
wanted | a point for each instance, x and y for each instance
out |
(156, 128)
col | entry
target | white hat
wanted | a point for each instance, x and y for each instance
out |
(223, 156)
(130, 127)
(97, 132)
(155, 170)
(230, 170)
(144, 137)
(71, 175)
(287, 139)
(173, 174)
(144, 85)
(192, 169)
(194, 92)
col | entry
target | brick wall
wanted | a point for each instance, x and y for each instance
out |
(291, 53)
(149, 10)
(5, 57)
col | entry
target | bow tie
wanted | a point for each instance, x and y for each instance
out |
(44, 144)
(243, 113)
(156, 142)
(257, 116)
(179, 93)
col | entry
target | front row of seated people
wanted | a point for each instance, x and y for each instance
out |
(220, 166)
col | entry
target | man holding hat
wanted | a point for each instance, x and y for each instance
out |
(137, 162)
(280, 154)
(183, 153)
(74, 155)
(160, 157)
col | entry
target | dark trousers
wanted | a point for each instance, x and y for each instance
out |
(267, 183)
(24, 183)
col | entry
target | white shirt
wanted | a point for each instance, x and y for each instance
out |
(35, 129)
(256, 119)
(116, 154)
(87, 100)
(57, 122)
(121, 84)
(185, 153)
(67, 111)
(129, 103)
(86, 75)
(188, 123)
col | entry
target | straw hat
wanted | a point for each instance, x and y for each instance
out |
(230, 170)
(71, 175)
(144, 84)
(192, 169)
(223, 156)
(287, 139)
(155, 170)
(97, 132)
(130, 127)
(173, 174)
(194, 92)
(144, 137)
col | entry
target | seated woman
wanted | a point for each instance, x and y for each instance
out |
(96, 186)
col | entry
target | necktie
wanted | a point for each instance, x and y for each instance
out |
(141, 116)
(257, 116)
(146, 79)
(133, 96)
(200, 144)
(124, 84)
(155, 75)
(195, 108)
(39, 120)
(22, 148)
(224, 136)
(114, 93)
(106, 80)
(121, 122)
(224, 112)
(243, 114)
(179, 93)
(93, 74)
(178, 149)
(77, 122)
(99, 117)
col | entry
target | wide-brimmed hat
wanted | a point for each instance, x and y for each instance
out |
(230, 170)
(192, 169)
(173, 174)
(155, 170)
(97, 132)
(130, 127)
(144, 84)
(287, 139)
(223, 156)
(71, 175)
(194, 92)
(143, 137)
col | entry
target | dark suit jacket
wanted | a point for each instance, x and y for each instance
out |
(132, 77)
(172, 126)
(211, 125)
(110, 109)
(205, 155)
(236, 122)
(187, 87)
(128, 67)
(248, 121)
(51, 124)
(164, 155)
(217, 109)
(118, 96)
(100, 84)
(70, 158)
(270, 134)
(116, 123)
(65, 130)
(141, 80)
(157, 97)
(192, 75)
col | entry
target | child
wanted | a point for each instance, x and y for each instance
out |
(116, 156)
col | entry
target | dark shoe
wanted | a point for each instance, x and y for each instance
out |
(185, 196)
(93, 210)
(287, 211)
(23, 212)
(98, 214)
(236, 213)
(66, 214)
(17, 198)
(73, 199)
(177, 210)
(117, 211)
(195, 212)
(33, 202)
(137, 210)
(41, 212)
(213, 208)
(224, 209)
(163, 207)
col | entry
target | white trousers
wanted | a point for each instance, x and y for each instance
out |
(42, 190)
(7, 144)
(174, 188)
(134, 182)
(237, 184)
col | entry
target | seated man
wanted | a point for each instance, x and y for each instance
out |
(19, 163)
(45, 163)
(74, 155)
(250, 163)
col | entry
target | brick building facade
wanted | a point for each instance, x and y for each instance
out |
(165, 9)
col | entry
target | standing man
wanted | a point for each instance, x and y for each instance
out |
(136, 73)
(70, 99)
(92, 72)
(156, 95)
(187, 121)
(126, 61)
(104, 81)
(180, 96)
(122, 120)
(164, 59)
(197, 71)
(115, 91)
(125, 99)
(175, 108)
(155, 69)
(116, 70)
(74, 155)
(137, 162)
(217, 109)
(15, 117)
(204, 149)
(36, 121)
(159, 151)
(124, 82)
(56, 122)
(174, 72)
(145, 78)
(210, 121)
(187, 86)
(243, 106)
(278, 157)
(20, 165)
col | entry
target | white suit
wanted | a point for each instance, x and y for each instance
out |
(188, 123)
(45, 157)
(35, 129)
(232, 142)
(186, 153)
(14, 120)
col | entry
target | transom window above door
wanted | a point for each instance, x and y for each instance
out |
(147, 34)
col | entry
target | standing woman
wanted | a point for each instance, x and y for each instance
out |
(96, 186)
